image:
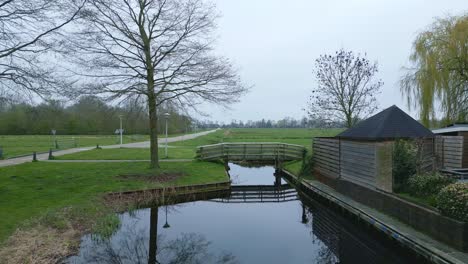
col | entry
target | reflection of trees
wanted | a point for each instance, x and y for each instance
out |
(137, 246)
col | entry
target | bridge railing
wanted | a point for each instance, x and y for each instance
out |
(251, 151)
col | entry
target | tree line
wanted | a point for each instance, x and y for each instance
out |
(89, 115)
(287, 122)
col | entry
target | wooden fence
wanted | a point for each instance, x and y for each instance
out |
(327, 156)
(368, 164)
(251, 152)
(449, 151)
(358, 162)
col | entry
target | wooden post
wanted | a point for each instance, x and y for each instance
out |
(1, 152)
(34, 156)
(51, 157)
(245, 151)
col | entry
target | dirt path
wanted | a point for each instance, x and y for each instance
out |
(145, 144)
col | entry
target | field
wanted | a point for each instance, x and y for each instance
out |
(24, 145)
(129, 154)
(186, 149)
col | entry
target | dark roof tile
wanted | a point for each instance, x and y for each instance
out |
(391, 123)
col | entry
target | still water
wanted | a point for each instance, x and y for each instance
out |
(263, 221)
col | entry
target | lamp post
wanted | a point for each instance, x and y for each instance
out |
(166, 225)
(166, 116)
(121, 130)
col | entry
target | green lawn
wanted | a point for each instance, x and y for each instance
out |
(31, 189)
(299, 136)
(22, 145)
(129, 154)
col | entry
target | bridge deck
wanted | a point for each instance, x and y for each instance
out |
(251, 152)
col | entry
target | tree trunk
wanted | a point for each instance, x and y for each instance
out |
(152, 105)
(153, 119)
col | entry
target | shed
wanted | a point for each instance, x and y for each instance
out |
(454, 141)
(363, 154)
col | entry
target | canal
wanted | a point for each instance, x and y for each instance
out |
(264, 220)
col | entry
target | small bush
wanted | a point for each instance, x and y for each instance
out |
(404, 163)
(427, 185)
(452, 201)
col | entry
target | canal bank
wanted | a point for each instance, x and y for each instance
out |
(408, 237)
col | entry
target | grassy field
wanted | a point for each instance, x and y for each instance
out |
(299, 136)
(31, 189)
(186, 149)
(22, 145)
(129, 154)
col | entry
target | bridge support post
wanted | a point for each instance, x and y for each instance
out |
(226, 164)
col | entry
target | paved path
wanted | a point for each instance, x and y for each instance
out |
(145, 144)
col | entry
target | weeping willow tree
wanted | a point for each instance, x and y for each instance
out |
(439, 76)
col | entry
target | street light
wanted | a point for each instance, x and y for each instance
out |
(166, 116)
(166, 225)
(121, 130)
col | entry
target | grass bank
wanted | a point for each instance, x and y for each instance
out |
(30, 190)
(129, 154)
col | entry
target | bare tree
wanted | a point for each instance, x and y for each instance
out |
(161, 49)
(346, 90)
(29, 33)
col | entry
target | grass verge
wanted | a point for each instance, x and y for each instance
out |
(129, 154)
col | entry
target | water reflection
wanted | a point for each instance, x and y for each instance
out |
(133, 244)
(240, 230)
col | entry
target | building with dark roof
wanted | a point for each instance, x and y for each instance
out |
(363, 154)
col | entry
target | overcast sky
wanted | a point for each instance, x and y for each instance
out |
(275, 43)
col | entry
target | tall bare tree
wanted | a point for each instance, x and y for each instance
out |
(162, 49)
(29, 33)
(346, 90)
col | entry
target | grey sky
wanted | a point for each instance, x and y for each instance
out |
(275, 43)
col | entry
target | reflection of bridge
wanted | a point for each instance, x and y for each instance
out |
(260, 194)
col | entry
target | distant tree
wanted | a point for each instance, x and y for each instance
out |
(439, 74)
(346, 88)
(159, 49)
(29, 34)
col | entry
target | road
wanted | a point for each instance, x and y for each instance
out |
(144, 144)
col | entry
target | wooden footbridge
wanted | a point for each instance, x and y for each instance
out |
(277, 152)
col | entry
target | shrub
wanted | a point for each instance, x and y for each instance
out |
(404, 163)
(427, 185)
(452, 201)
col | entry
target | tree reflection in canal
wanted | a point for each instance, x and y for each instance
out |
(136, 245)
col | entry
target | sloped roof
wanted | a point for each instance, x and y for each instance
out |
(457, 127)
(391, 123)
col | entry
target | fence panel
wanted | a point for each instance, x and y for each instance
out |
(449, 151)
(358, 162)
(327, 156)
